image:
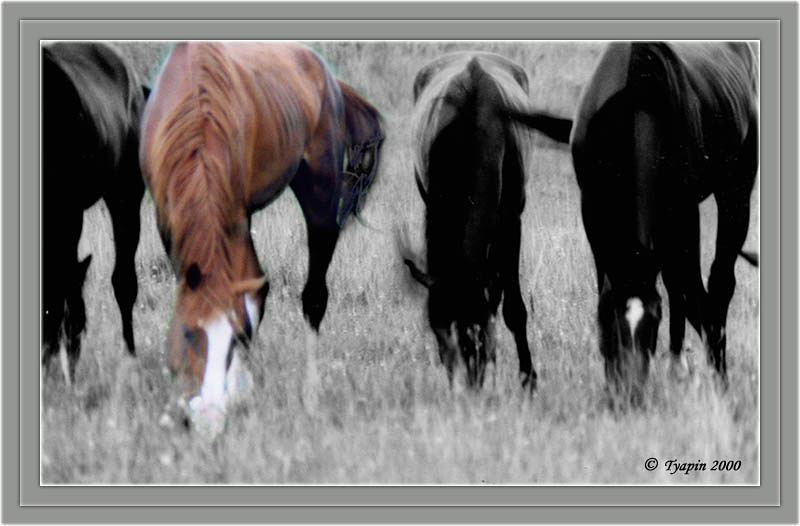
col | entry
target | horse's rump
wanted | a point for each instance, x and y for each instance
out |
(108, 89)
(687, 83)
(724, 78)
(441, 90)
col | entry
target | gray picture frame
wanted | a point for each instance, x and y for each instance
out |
(774, 24)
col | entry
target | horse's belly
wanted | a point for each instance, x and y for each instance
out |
(271, 185)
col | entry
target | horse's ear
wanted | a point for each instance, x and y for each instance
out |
(193, 276)
(145, 91)
(418, 275)
(258, 285)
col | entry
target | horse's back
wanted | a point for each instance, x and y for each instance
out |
(725, 81)
(270, 97)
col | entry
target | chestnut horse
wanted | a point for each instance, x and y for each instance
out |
(229, 126)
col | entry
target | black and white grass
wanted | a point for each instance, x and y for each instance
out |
(368, 400)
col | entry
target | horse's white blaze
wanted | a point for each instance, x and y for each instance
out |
(253, 312)
(219, 334)
(634, 313)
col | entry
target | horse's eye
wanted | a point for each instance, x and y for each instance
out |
(189, 336)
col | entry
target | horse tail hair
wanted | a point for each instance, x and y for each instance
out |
(750, 257)
(557, 128)
(656, 66)
(410, 259)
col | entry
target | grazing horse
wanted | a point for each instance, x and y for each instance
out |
(92, 104)
(660, 127)
(470, 170)
(228, 127)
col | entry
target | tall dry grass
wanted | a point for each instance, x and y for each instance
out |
(368, 402)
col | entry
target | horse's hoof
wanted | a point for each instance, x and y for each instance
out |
(721, 381)
(528, 380)
(679, 368)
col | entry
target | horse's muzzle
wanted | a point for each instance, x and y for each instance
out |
(207, 419)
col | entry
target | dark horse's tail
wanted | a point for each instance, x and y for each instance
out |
(658, 81)
(557, 128)
(364, 135)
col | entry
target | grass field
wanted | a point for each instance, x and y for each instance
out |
(368, 402)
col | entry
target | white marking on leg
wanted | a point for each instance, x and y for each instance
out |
(219, 334)
(634, 313)
(64, 360)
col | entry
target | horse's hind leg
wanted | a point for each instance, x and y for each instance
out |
(733, 209)
(315, 190)
(734, 215)
(514, 313)
(123, 203)
(681, 273)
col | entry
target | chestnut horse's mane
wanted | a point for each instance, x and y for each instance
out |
(200, 190)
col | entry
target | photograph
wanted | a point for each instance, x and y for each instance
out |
(400, 263)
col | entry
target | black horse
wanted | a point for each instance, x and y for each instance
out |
(470, 171)
(92, 103)
(662, 126)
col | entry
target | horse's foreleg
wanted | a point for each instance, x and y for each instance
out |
(315, 193)
(124, 204)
